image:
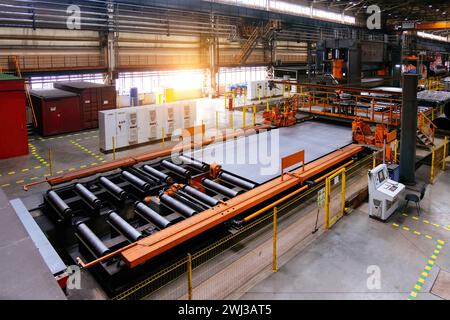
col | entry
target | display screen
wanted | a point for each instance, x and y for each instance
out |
(381, 176)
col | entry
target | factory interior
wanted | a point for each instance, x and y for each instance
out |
(239, 150)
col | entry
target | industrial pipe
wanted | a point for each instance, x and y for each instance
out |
(112, 188)
(151, 215)
(59, 204)
(177, 205)
(91, 240)
(160, 176)
(137, 182)
(127, 230)
(194, 163)
(229, 193)
(88, 196)
(202, 197)
(236, 181)
(177, 169)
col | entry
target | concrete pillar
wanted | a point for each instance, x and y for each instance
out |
(408, 130)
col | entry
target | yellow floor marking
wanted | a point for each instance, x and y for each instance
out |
(417, 232)
(404, 214)
(428, 236)
(441, 242)
(434, 257)
(415, 218)
(20, 181)
(427, 268)
(425, 274)
(25, 170)
(413, 294)
(431, 262)
(38, 167)
(5, 185)
(59, 172)
(83, 166)
(405, 228)
(11, 173)
(439, 247)
(426, 221)
(421, 280)
(34, 178)
(417, 287)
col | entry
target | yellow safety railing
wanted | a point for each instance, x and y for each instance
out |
(337, 178)
(439, 159)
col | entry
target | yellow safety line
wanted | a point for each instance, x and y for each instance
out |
(426, 270)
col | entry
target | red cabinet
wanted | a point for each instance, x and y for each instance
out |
(94, 97)
(57, 111)
(13, 126)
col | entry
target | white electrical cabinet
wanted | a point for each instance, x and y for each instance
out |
(140, 125)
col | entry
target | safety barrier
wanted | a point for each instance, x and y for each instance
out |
(438, 159)
(258, 247)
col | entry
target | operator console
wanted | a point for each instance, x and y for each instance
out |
(384, 193)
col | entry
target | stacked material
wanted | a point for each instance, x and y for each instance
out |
(438, 97)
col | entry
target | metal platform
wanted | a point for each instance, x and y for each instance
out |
(316, 138)
(23, 272)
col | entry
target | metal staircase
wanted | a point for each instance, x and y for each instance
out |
(425, 131)
(259, 32)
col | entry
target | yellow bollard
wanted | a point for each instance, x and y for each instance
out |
(217, 120)
(395, 151)
(267, 106)
(274, 261)
(189, 275)
(444, 160)
(231, 121)
(163, 135)
(432, 165)
(374, 163)
(114, 147)
(244, 115)
(50, 161)
(254, 116)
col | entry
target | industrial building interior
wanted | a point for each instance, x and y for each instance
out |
(224, 149)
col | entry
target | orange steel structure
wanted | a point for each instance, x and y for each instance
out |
(143, 250)
(375, 106)
(149, 247)
(362, 133)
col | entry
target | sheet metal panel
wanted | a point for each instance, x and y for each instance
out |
(316, 138)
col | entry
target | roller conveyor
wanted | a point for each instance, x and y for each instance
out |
(136, 181)
(91, 240)
(160, 176)
(113, 189)
(127, 230)
(175, 168)
(151, 216)
(59, 204)
(194, 163)
(236, 181)
(88, 196)
(200, 196)
(177, 206)
(214, 186)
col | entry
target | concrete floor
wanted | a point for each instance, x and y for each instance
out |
(336, 265)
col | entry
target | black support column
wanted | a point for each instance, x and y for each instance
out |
(408, 130)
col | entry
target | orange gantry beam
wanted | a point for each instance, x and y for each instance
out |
(151, 246)
(436, 25)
